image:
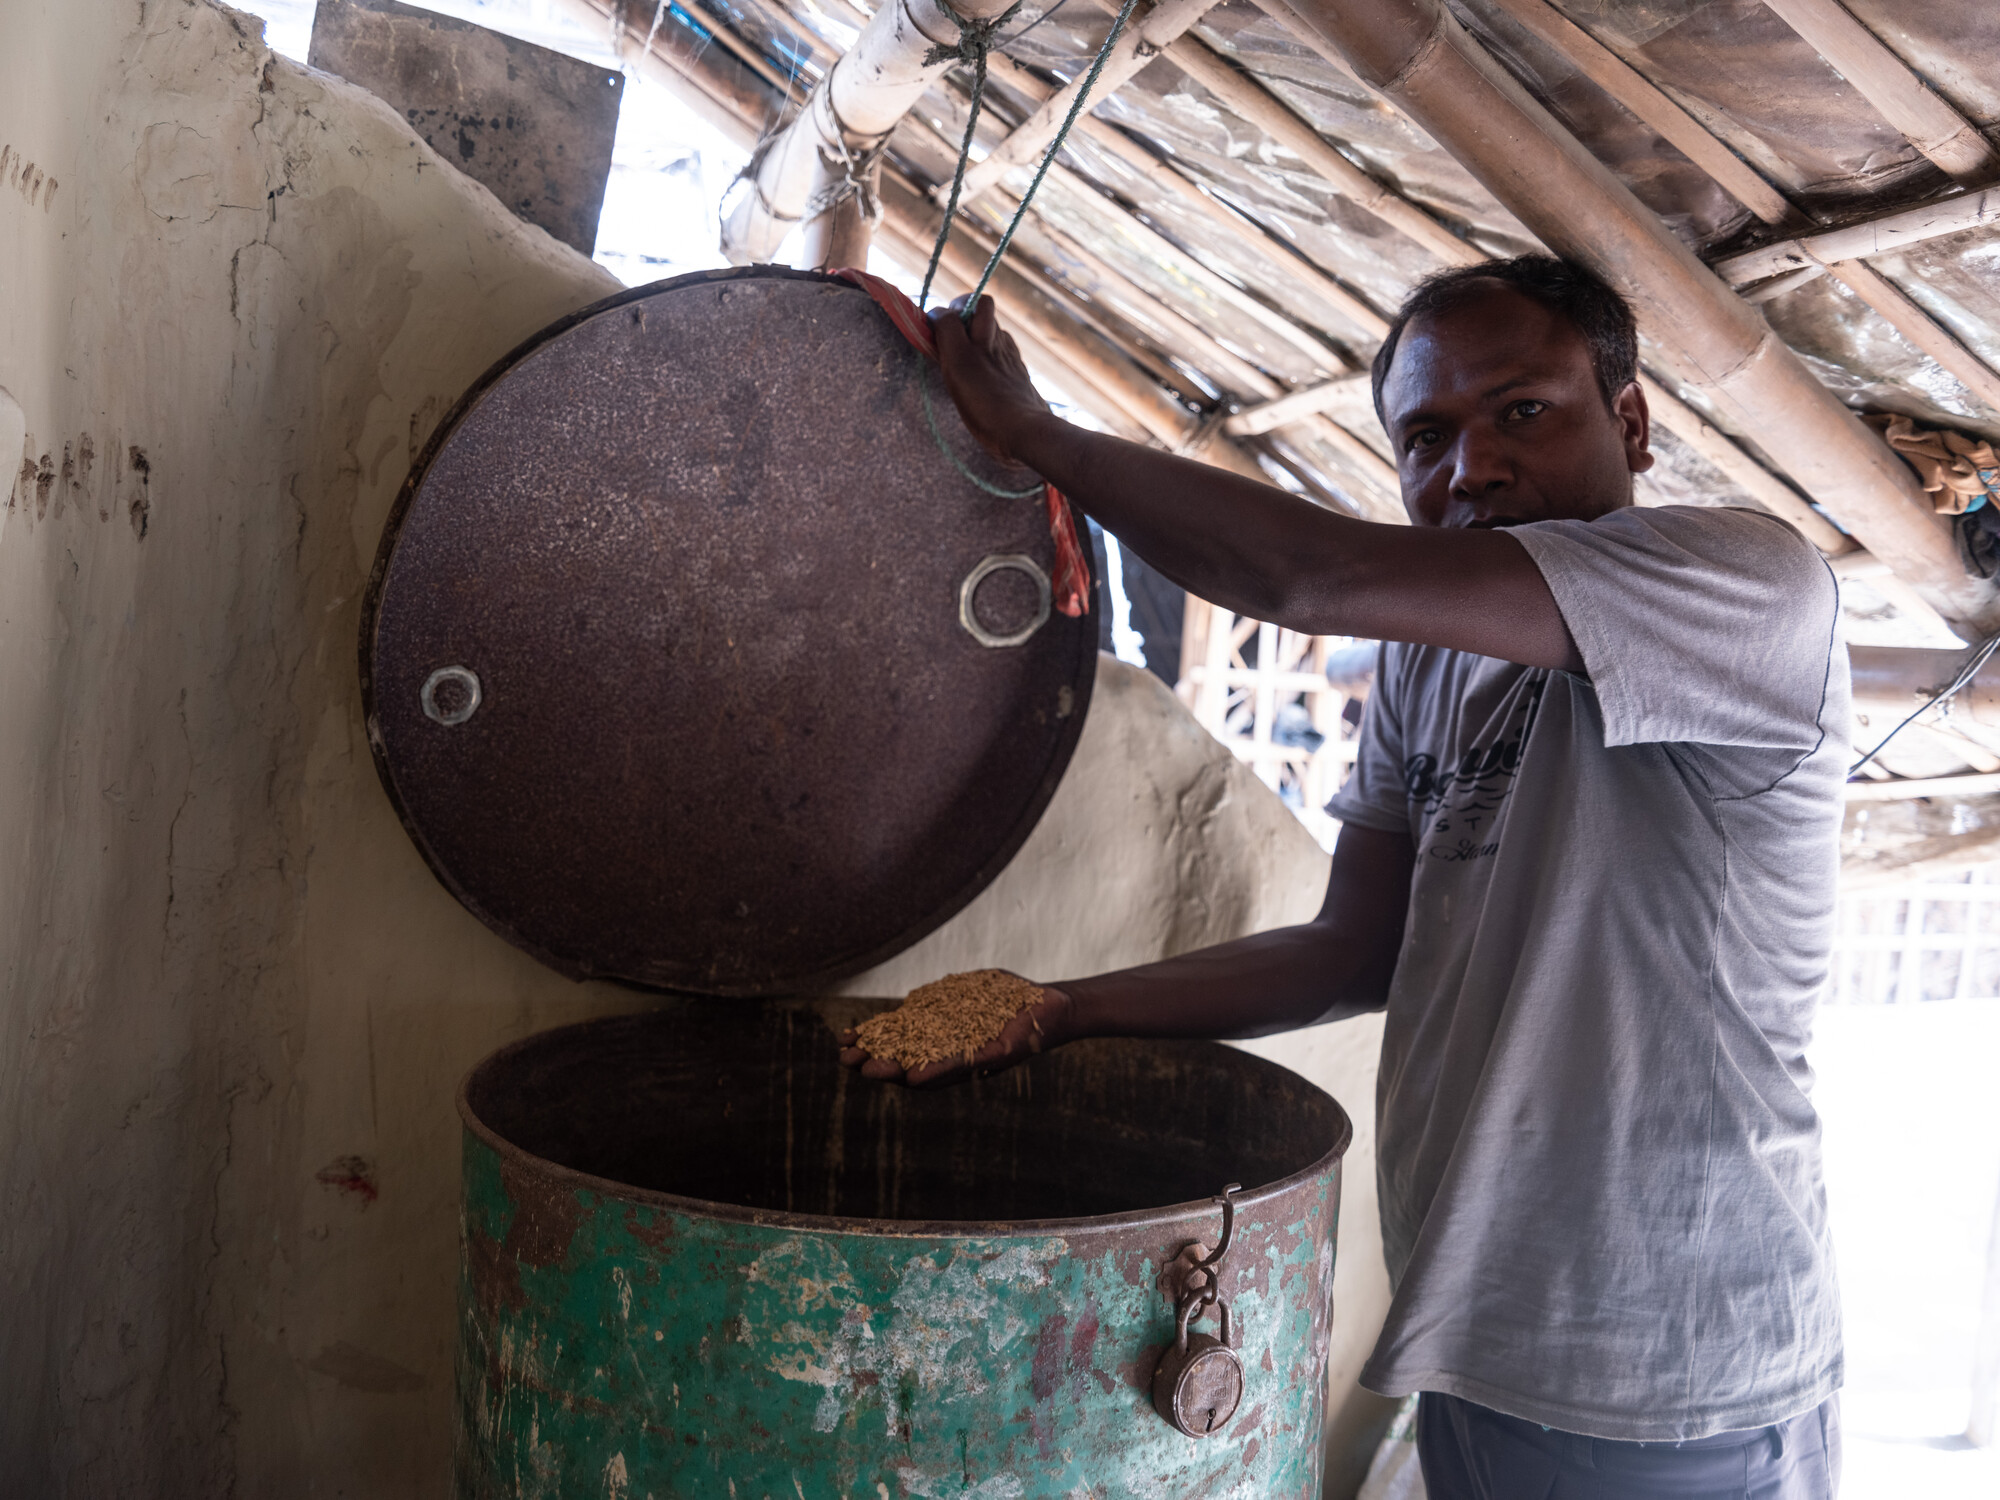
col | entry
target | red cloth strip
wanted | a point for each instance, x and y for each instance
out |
(1071, 584)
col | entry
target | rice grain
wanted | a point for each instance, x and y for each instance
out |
(949, 1018)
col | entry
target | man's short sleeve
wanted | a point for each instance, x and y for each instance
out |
(1373, 795)
(1696, 625)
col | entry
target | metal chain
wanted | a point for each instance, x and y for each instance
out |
(1204, 1285)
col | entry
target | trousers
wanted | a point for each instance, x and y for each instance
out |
(1470, 1452)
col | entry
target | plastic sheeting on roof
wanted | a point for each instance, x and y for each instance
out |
(1733, 64)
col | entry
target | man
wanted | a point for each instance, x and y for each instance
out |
(1587, 864)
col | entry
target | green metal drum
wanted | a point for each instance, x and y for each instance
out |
(702, 1259)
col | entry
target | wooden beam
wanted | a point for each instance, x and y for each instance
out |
(1629, 87)
(1904, 789)
(1932, 125)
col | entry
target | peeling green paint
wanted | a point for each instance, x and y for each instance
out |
(615, 1346)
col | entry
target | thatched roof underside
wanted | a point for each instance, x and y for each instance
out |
(1185, 242)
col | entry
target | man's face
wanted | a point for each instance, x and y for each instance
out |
(1496, 418)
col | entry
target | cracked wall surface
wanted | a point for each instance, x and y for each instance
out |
(235, 296)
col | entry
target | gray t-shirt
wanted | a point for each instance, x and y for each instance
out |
(1599, 1168)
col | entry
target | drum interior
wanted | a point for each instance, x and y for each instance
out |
(749, 1107)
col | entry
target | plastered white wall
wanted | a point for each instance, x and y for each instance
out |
(235, 297)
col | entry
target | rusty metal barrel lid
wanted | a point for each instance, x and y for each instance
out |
(690, 660)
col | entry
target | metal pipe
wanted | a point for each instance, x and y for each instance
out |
(1416, 54)
(826, 153)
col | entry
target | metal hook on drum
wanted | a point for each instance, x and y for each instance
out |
(1199, 1382)
(1001, 562)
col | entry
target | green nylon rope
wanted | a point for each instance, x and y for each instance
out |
(976, 38)
(937, 436)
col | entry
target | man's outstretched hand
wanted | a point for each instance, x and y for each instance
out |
(987, 378)
(1046, 1023)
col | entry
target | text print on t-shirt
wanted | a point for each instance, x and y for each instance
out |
(1461, 804)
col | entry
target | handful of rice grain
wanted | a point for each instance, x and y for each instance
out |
(949, 1018)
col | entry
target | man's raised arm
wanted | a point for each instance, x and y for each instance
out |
(1337, 965)
(1253, 548)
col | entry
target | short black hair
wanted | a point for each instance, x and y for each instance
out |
(1592, 308)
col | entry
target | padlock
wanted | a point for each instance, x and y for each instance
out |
(1199, 1382)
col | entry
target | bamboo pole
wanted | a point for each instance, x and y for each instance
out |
(840, 236)
(1769, 491)
(1376, 471)
(1210, 353)
(1635, 93)
(1143, 40)
(1629, 87)
(1173, 177)
(817, 160)
(1917, 325)
(1813, 253)
(1886, 81)
(1026, 306)
(1114, 141)
(1115, 416)
(1258, 106)
(1250, 100)
(1416, 54)
(1293, 405)
(1095, 371)
(1131, 410)
(1376, 474)
(723, 91)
